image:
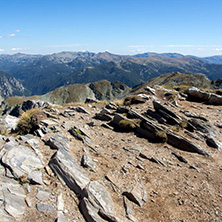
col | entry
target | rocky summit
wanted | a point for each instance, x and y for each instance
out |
(154, 156)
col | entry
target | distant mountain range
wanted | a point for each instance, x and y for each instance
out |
(40, 74)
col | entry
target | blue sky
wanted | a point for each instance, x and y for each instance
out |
(119, 26)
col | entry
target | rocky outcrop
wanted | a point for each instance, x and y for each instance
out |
(211, 98)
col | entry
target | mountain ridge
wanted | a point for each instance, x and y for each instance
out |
(43, 73)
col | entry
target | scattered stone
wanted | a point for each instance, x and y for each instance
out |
(57, 141)
(99, 197)
(112, 106)
(212, 142)
(111, 178)
(86, 161)
(31, 104)
(50, 115)
(151, 90)
(28, 201)
(81, 134)
(80, 109)
(184, 144)
(35, 177)
(193, 115)
(89, 211)
(43, 194)
(55, 129)
(204, 127)
(137, 194)
(47, 122)
(159, 107)
(103, 117)
(178, 156)
(195, 168)
(61, 217)
(91, 100)
(44, 207)
(175, 103)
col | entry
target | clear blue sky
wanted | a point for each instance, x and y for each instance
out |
(119, 26)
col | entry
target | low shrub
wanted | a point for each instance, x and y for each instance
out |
(29, 121)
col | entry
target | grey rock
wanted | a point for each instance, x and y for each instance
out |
(103, 117)
(107, 217)
(35, 177)
(204, 127)
(193, 115)
(80, 109)
(57, 141)
(69, 113)
(137, 194)
(6, 147)
(26, 137)
(151, 90)
(31, 104)
(212, 142)
(99, 197)
(50, 115)
(90, 100)
(81, 134)
(55, 129)
(48, 122)
(39, 133)
(14, 205)
(144, 96)
(86, 161)
(11, 122)
(66, 168)
(28, 201)
(43, 194)
(89, 211)
(211, 98)
(184, 144)
(158, 107)
(111, 106)
(21, 160)
(105, 111)
(44, 207)
(61, 217)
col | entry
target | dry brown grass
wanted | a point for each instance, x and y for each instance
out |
(29, 121)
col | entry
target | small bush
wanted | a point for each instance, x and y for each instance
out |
(29, 121)
(127, 125)
(161, 136)
(183, 123)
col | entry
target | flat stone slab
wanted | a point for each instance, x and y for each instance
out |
(43, 194)
(99, 197)
(58, 141)
(67, 169)
(44, 207)
(14, 205)
(21, 160)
